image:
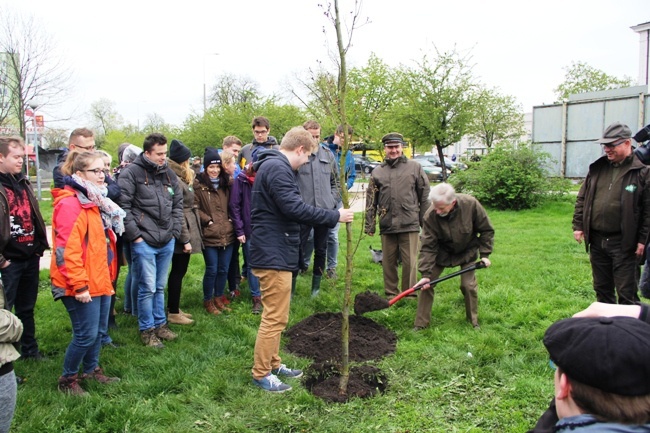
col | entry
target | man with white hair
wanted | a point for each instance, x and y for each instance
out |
(456, 232)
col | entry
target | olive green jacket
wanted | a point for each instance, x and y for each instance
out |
(397, 195)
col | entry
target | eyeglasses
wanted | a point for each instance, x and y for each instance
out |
(614, 143)
(87, 148)
(97, 171)
(256, 132)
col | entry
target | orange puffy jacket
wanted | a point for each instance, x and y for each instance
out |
(84, 254)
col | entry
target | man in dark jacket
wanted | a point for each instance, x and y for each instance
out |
(261, 140)
(456, 232)
(398, 195)
(82, 140)
(319, 186)
(277, 212)
(22, 241)
(612, 216)
(152, 198)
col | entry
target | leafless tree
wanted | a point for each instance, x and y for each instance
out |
(56, 138)
(232, 90)
(33, 72)
(343, 43)
(105, 117)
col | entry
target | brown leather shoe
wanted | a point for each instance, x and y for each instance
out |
(150, 339)
(210, 307)
(257, 305)
(164, 333)
(70, 385)
(98, 375)
(219, 304)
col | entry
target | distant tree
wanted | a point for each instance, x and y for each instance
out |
(437, 100)
(33, 71)
(154, 122)
(56, 138)
(496, 118)
(105, 117)
(581, 78)
(232, 90)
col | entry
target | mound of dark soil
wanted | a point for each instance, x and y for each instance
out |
(319, 337)
(322, 380)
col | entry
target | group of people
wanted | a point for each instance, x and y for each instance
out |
(157, 209)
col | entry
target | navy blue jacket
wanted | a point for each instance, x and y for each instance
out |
(277, 212)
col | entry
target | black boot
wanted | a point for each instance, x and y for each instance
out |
(315, 285)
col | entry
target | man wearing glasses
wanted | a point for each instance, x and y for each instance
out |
(261, 140)
(82, 140)
(612, 216)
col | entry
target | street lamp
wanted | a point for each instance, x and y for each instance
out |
(205, 96)
(33, 104)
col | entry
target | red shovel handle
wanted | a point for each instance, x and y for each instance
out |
(477, 265)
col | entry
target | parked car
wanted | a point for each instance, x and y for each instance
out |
(433, 172)
(451, 165)
(365, 164)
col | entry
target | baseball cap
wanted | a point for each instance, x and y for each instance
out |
(614, 132)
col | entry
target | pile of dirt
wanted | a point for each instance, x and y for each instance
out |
(319, 337)
(323, 379)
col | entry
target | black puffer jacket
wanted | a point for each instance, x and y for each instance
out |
(277, 212)
(153, 201)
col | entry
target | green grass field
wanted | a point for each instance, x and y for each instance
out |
(448, 378)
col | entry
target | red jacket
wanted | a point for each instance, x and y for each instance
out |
(84, 254)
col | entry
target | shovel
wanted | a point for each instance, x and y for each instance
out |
(369, 301)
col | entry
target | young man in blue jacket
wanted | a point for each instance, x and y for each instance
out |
(277, 212)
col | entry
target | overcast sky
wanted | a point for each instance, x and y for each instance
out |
(152, 56)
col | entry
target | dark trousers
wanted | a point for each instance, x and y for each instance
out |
(614, 272)
(20, 280)
(180, 262)
(234, 272)
(321, 234)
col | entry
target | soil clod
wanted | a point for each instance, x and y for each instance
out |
(369, 301)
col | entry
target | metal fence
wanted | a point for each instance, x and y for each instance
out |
(568, 131)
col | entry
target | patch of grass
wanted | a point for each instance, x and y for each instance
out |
(447, 378)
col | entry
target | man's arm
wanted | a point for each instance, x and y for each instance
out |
(335, 184)
(578, 213)
(127, 185)
(423, 190)
(349, 169)
(372, 196)
(483, 226)
(428, 247)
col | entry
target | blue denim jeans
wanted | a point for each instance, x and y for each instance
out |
(253, 281)
(150, 267)
(20, 280)
(217, 262)
(130, 294)
(86, 319)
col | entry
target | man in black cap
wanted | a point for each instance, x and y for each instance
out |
(398, 194)
(612, 216)
(602, 380)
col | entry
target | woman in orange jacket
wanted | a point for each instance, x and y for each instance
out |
(84, 263)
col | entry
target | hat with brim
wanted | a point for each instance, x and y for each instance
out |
(615, 132)
(392, 139)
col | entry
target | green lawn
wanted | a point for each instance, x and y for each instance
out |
(448, 378)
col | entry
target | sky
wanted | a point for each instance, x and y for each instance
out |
(155, 56)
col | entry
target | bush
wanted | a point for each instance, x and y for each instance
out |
(510, 177)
